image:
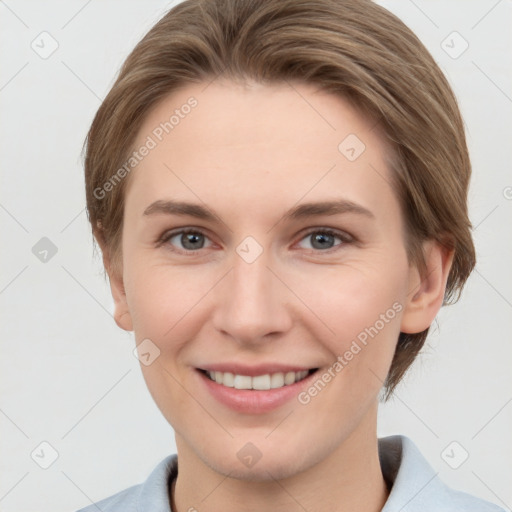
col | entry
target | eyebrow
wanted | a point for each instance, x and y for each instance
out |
(301, 211)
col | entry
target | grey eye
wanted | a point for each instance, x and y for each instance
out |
(322, 240)
(188, 240)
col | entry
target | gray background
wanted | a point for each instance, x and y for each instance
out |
(69, 377)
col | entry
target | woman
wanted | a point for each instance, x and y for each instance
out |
(279, 191)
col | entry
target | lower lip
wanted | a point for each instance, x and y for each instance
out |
(250, 401)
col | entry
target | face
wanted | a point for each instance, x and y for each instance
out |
(229, 268)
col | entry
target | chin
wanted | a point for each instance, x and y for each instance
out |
(261, 472)
(275, 466)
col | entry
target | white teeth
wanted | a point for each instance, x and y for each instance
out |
(228, 379)
(260, 382)
(289, 378)
(242, 382)
(277, 380)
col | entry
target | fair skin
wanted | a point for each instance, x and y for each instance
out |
(249, 154)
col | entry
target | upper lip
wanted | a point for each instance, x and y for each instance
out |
(253, 370)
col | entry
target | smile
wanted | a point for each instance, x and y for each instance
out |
(257, 382)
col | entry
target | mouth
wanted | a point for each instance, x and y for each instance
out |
(266, 388)
(262, 382)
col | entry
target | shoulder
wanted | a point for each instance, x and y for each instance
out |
(149, 495)
(125, 500)
(416, 487)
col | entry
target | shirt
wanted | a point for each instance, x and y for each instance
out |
(415, 486)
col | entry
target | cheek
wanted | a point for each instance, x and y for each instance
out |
(351, 298)
(165, 301)
(147, 299)
(360, 310)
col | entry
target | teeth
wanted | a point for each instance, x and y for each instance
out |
(289, 378)
(277, 380)
(228, 379)
(261, 382)
(241, 382)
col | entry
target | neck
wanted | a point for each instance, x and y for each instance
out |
(349, 478)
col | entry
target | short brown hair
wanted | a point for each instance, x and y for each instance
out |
(351, 48)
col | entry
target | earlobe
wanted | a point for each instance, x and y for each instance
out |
(121, 311)
(426, 293)
(122, 315)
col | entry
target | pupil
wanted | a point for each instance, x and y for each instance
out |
(321, 238)
(190, 238)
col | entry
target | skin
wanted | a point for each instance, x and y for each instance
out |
(249, 153)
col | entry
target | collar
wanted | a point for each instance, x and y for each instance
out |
(415, 486)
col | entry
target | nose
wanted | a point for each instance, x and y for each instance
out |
(251, 302)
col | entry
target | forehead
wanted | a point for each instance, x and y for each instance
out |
(262, 142)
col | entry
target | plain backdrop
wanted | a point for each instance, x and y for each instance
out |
(69, 378)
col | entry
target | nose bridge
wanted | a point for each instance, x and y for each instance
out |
(250, 303)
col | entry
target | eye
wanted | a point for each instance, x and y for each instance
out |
(323, 239)
(191, 240)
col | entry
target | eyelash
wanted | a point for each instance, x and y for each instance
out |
(345, 238)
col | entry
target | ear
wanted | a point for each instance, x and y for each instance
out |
(122, 315)
(427, 289)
